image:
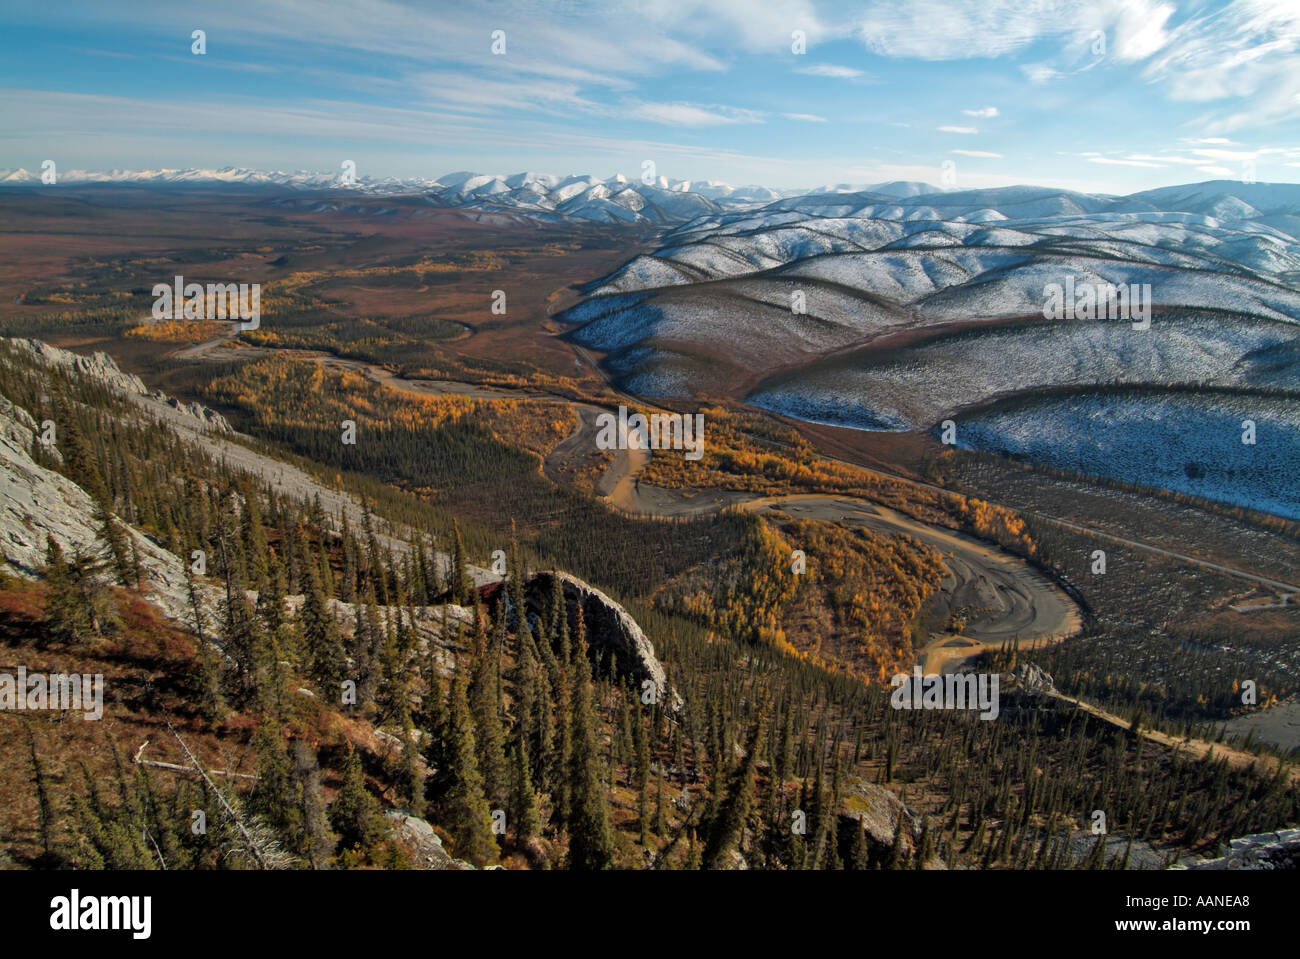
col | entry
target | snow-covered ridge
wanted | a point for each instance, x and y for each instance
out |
(538, 195)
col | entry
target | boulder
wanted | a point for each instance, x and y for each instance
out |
(418, 836)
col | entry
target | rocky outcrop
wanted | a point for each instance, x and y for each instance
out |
(36, 502)
(422, 842)
(98, 366)
(1032, 678)
(16, 425)
(206, 418)
(878, 810)
(104, 369)
(610, 630)
(1267, 850)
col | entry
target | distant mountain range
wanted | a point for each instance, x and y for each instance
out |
(674, 202)
(538, 195)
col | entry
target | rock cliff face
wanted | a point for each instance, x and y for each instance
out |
(36, 502)
(610, 629)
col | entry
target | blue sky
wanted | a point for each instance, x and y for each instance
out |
(1107, 95)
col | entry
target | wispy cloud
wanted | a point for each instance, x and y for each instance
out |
(1215, 154)
(410, 79)
(959, 30)
(463, 92)
(1247, 53)
(832, 70)
(1118, 161)
(694, 114)
(1164, 158)
(1039, 72)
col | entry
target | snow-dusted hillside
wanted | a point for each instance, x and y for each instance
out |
(861, 264)
(1189, 443)
(897, 306)
(917, 386)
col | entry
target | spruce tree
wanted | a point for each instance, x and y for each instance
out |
(728, 827)
(327, 660)
(591, 838)
(207, 675)
(66, 617)
(114, 535)
(485, 705)
(515, 591)
(433, 706)
(45, 810)
(527, 820)
(458, 580)
(641, 738)
(355, 813)
(469, 818)
(898, 848)
(273, 794)
(314, 838)
(409, 779)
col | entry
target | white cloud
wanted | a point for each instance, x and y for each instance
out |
(1165, 158)
(1248, 52)
(1112, 161)
(1226, 154)
(61, 119)
(1039, 72)
(979, 153)
(958, 29)
(831, 70)
(805, 117)
(1215, 170)
(983, 113)
(1137, 29)
(756, 27)
(459, 91)
(958, 129)
(694, 114)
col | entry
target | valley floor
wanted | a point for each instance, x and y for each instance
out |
(1018, 603)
